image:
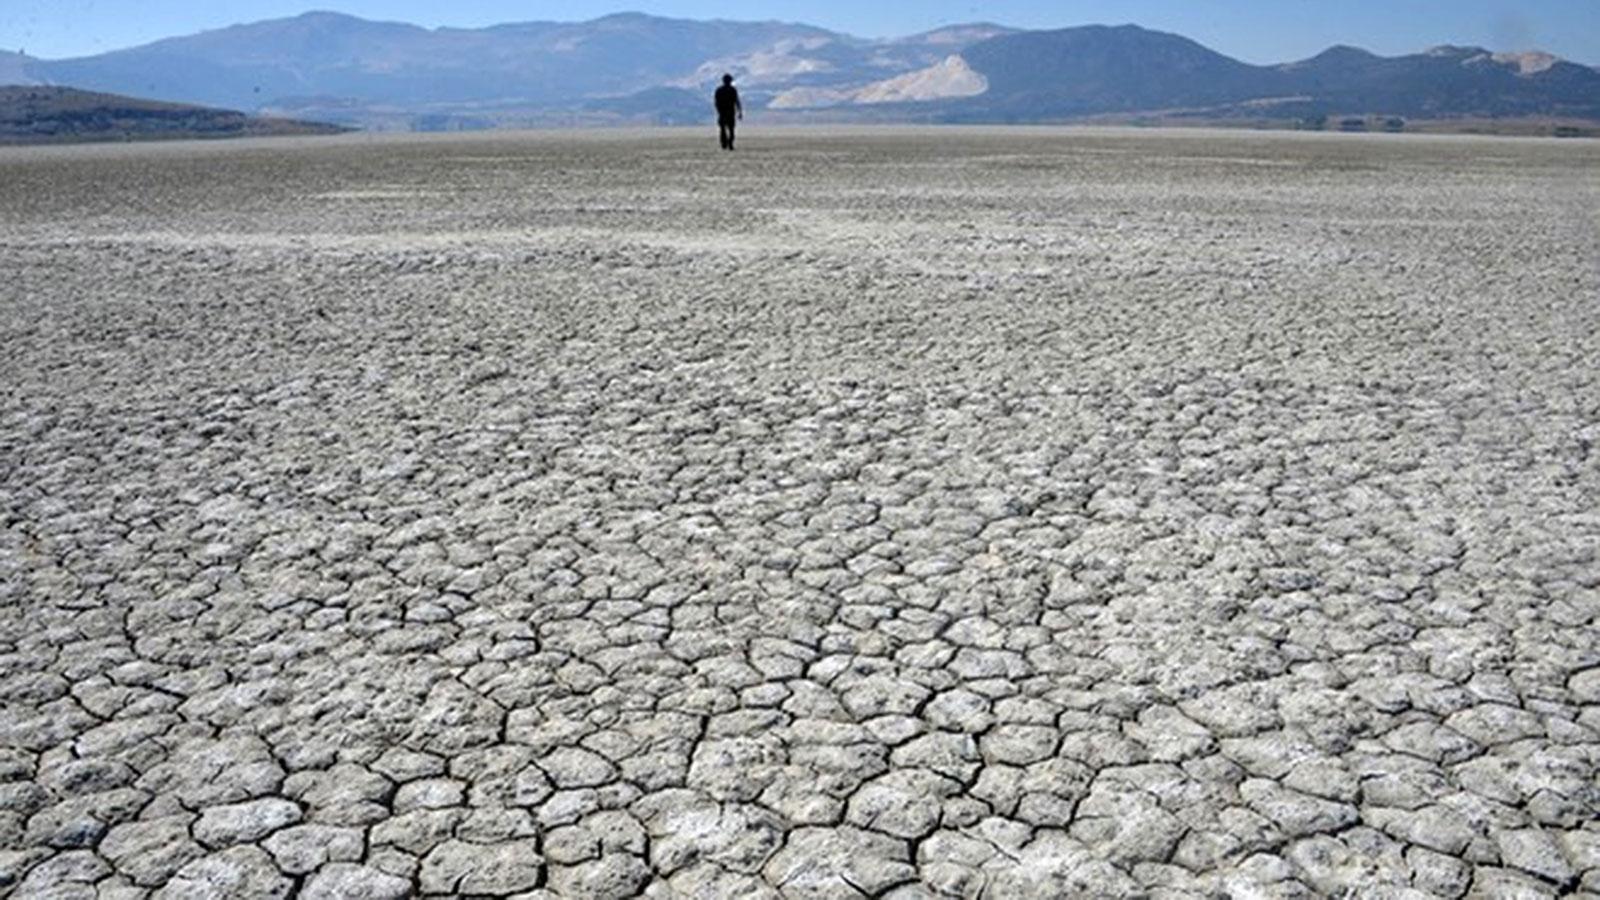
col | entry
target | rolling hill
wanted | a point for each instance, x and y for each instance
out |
(34, 114)
(1096, 69)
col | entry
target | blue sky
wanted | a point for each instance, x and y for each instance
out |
(1254, 30)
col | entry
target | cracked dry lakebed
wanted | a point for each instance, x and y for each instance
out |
(903, 513)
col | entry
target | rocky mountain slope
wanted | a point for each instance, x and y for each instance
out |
(634, 67)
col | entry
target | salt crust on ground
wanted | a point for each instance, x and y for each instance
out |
(905, 514)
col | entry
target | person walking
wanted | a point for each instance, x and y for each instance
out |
(729, 111)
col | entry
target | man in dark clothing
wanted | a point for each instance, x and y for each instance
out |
(729, 110)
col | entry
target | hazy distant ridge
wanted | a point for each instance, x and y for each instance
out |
(644, 68)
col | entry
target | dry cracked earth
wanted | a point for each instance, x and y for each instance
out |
(893, 514)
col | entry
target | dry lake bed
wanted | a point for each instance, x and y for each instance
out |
(895, 514)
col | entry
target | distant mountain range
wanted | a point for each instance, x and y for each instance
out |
(637, 68)
(42, 115)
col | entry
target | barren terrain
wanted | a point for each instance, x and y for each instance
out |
(888, 513)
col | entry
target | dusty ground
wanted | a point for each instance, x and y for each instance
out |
(897, 513)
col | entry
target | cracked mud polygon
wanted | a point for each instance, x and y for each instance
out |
(877, 513)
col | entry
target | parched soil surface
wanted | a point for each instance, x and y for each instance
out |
(886, 513)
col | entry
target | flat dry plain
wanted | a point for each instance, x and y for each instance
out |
(887, 513)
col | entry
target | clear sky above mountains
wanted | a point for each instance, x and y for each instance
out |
(1256, 31)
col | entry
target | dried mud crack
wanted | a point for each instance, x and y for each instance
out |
(966, 513)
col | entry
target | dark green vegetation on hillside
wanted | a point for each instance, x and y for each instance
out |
(33, 115)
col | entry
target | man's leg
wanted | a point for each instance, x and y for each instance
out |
(730, 135)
